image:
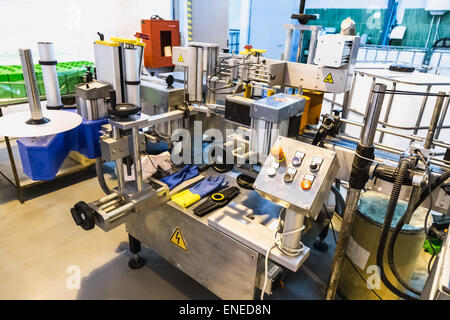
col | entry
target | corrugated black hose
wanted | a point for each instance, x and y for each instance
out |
(398, 182)
(424, 194)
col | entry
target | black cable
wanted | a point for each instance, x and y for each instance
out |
(426, 222)
(340, 202)
(398, 182)
(430, 263)
(331, 223)
(424, 194)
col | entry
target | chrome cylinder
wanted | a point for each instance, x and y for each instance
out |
(49, 75)
(292, 221)
(434, 120)
(132, 75)
(312, 47)
(372, 114)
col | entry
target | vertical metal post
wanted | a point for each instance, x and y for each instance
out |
(137, 159)
(356, 183)
(388, 111)
(434, 120)
(333, 100)
(437, 29)
(441, 121)
(287, 45)
(13, 167)
(422, 108)
(292, 221)
(300, 44)
(199, 80)
(439, 63)
(347, 102)
(429, 32)
(119, 163)
(312, 47)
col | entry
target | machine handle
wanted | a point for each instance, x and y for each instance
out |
(302, 6)
(101, 35)
(112, 99)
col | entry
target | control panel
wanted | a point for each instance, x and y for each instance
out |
(297, 175)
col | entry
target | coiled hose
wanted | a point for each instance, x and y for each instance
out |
(101, 176)
(423, 195)
(398, 182)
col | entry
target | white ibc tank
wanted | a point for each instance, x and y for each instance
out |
(404, 111)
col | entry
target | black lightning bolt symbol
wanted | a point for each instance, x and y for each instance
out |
(177, 236)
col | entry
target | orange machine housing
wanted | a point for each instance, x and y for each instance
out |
(162, 33)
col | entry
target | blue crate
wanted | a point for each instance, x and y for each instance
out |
(42, 157)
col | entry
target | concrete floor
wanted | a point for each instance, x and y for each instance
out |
(39, 241)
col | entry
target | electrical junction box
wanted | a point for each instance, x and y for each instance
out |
(164, 35)
(333, 50)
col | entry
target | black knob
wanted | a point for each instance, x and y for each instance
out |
(83, 215)
(89, 76)
(101, 35)
(314, 166)
(169, 80)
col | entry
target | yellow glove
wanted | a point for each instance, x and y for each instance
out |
(185, 198)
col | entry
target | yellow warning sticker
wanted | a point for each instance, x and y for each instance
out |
(177, 239)
(180, 58)
(328, 78)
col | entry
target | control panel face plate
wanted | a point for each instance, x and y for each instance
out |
(288, 187)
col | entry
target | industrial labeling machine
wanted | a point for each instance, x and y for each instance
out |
(249, 164)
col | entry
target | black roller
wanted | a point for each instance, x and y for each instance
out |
(401, 68)
(121, 110)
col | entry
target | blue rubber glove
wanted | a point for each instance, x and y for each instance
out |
(188, 172)
(209, 185)
(190, 196)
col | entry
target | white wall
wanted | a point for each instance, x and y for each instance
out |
(71, 25)
(234, 14)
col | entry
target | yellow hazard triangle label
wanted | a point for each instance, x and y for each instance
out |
(180, 58)
(178, 240)
(328, 79)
